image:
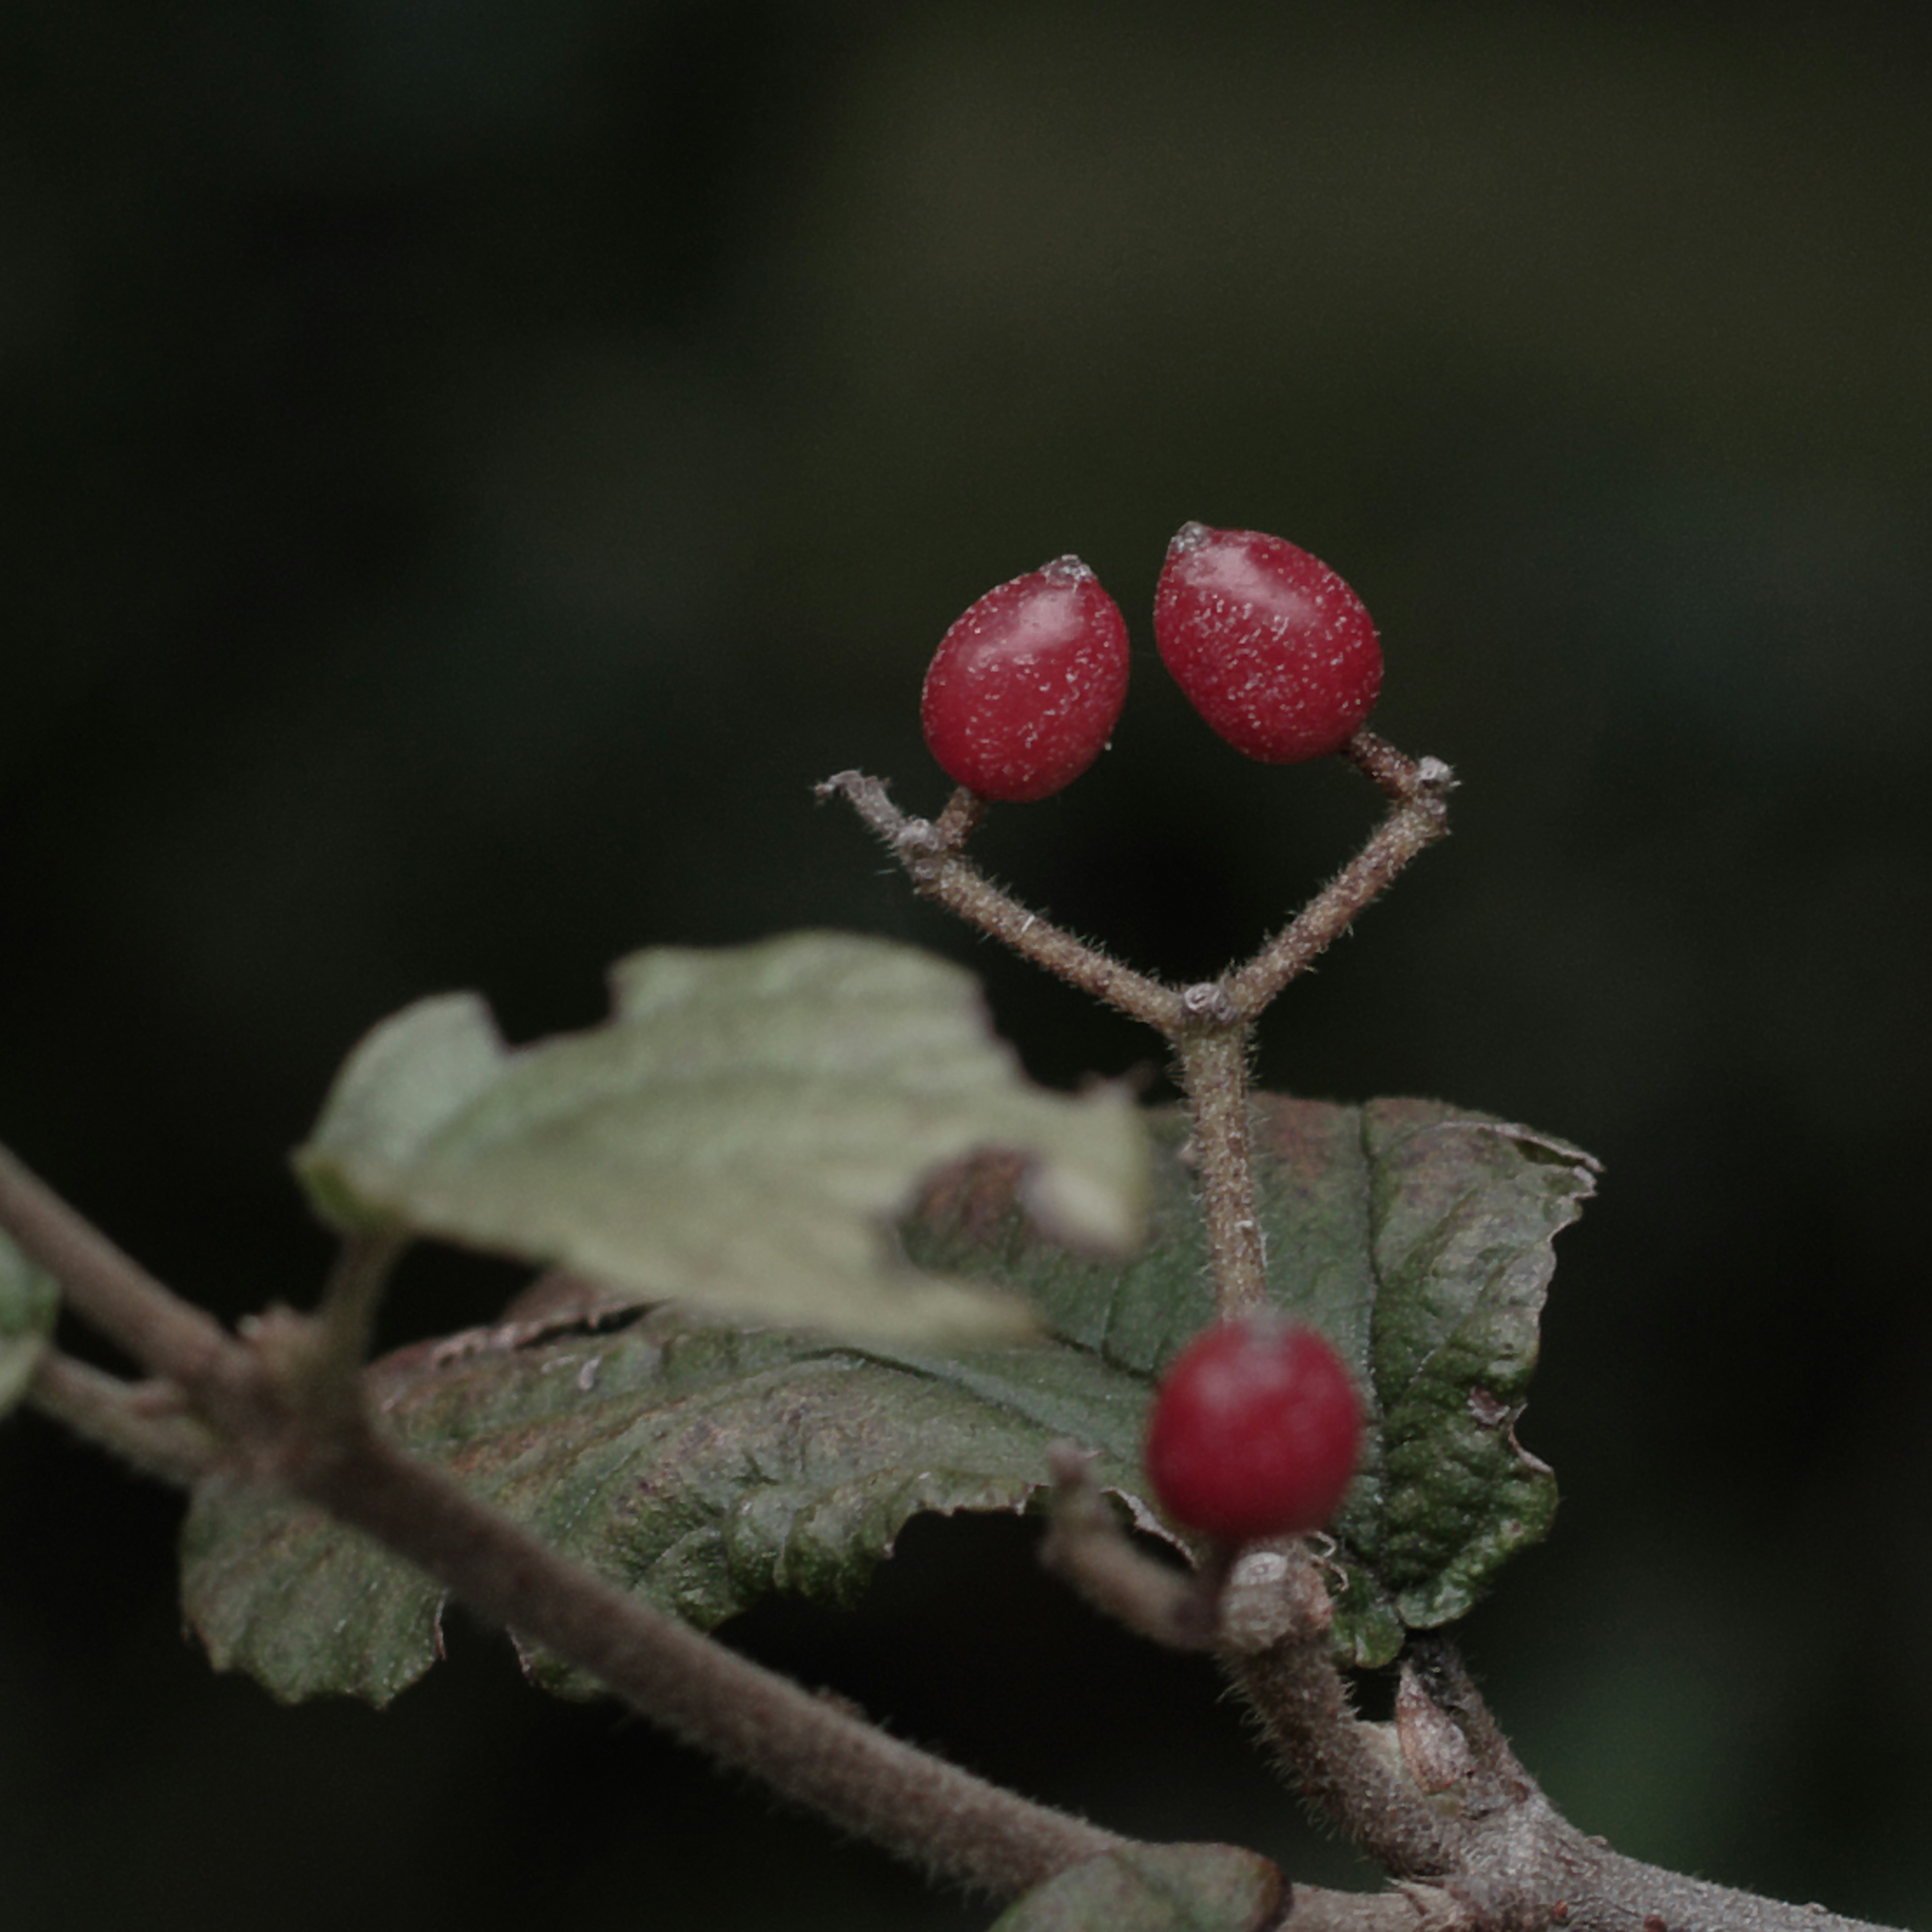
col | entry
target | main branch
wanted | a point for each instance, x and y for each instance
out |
(286, 1404)
(1436, 1796)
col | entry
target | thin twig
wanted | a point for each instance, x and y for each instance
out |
(931, 856)
(1087, 1549)
(907, 1800)
(140, 1422)
(116, 1293)
(1419, 816)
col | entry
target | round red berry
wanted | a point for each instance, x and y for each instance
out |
(1254, 1431)
(1272, 648)
(1023, 690)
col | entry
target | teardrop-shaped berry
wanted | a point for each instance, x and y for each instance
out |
(1023, 690)
(1271, 646)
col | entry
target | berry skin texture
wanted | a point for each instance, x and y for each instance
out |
(1254, 1431)
(1272, 648)
(1023, 690)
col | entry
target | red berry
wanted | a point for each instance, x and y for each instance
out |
(1023, 692)
(1254, 1431)
(1272, 648)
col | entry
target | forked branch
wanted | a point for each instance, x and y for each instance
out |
(933, 853)
(1210, 1026)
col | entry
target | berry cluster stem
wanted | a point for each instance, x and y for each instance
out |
(1210, 1026)
(1213, 1061)
(932, 854)
(1418, 790)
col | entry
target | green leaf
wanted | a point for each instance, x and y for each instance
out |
(706, 1467)
(1463, 1212)
(1418, 1237)
(1154, 1889)
(702, 1466)
(27, 1301)
(741, 1134)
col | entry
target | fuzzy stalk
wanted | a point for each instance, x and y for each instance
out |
(1214, 1075)
(140, 1423)
(934, 862)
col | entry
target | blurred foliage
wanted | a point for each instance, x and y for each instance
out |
(467, 470)
(705, 1468)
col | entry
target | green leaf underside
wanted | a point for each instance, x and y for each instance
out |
(28, 1301)
(704, 1466)
(740, 1135)
(1154, 1889)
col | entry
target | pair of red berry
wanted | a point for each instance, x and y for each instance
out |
(1270, 646)
(1256, 1426)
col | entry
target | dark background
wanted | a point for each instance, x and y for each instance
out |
(468, 469)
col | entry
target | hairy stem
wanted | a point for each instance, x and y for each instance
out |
(140, 1422)
(119, 1297)
(932, 853)
(1612, 1893)
(931, 856)
(1275, 1618)
(1214, 1075)
(1419, 817)
(964, 811)
(1518, 1860)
